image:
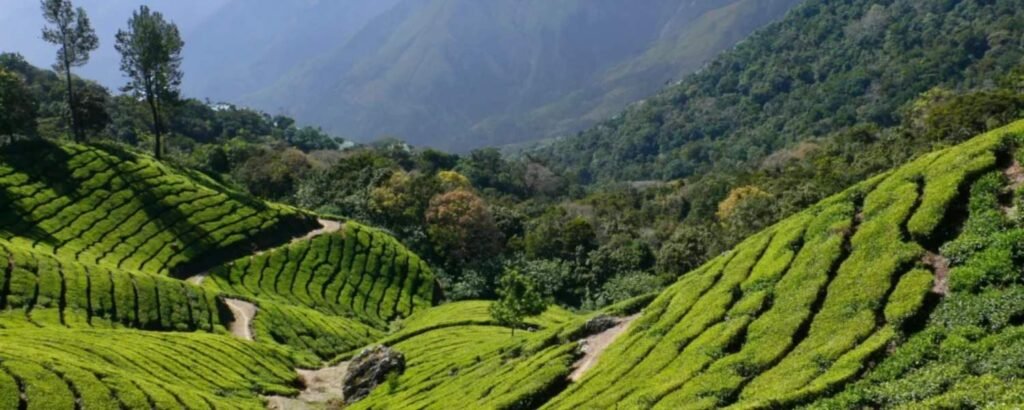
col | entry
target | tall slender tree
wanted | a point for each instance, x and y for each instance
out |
(69, 29)
(150, 50)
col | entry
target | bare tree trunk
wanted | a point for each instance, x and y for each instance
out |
(75, 128)
(158, 150)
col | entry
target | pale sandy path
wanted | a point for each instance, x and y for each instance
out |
(596, 344)
(940, 268)
(1015, 179)
(243, 312)
(326, 226)
(323, 387)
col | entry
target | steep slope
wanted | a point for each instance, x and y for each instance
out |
(826, 66)
(463, 74)
(798, 311)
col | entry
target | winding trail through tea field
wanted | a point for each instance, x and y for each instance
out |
(243, 311)
(596, 344)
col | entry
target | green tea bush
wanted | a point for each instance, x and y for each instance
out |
(127, 211)
(42, 290)
(112, 369)
(360, 273)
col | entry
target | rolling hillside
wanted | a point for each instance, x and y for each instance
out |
(119, 210)
(902, 291)
(96, 242)
(906, 277)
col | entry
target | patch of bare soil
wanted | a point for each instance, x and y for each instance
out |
(1015, 179)
(326, 226)
(940, 268)
(1015, 175)
(594, 345)
(243, 311)
(323, 389)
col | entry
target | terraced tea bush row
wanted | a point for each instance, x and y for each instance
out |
(968, 355)
(469, 313)
(37, 289)
(797, 310)
(361, 273)
(477, 366)
(307, 330)
(125, 211)
(52, 369)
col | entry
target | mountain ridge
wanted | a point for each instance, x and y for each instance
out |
(446, 77)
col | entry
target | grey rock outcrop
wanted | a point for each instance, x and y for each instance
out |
(369, 369)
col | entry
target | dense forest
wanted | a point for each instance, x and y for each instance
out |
(825, 68)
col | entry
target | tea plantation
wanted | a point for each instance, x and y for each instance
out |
(360, 272)
(904, 291)
(94, 244)
(460, 358)
(120, 210)
(854, 287)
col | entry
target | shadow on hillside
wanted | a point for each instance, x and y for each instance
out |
(167, 217)
(200, 178)
(206, 251)
(44, 162)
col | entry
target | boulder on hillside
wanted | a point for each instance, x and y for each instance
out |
(598, 324)
(370, 368)
(595, 325)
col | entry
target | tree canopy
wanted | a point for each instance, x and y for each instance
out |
(150, 50)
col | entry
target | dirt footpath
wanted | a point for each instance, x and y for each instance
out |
(323, 388)
(596, 344)
(243, 311)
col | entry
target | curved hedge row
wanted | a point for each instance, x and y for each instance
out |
(126, 211)
(455, 361)
(45, 369)
(360, 272)
(38, 290)
(969, 353)
(324, 336)
(799, 310)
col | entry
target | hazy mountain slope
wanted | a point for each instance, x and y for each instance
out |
(247, 44)
(683, 46)
(826, 66)
(459, 73)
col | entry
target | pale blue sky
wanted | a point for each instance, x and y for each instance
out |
(21, 24)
